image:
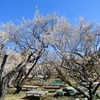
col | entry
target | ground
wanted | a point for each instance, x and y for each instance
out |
(22, 96)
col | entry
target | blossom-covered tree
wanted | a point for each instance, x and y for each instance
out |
(27, 39)
(77, 48)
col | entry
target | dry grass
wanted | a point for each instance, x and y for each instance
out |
(22, 96)
(15, 97)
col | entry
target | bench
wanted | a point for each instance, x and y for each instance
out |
(39, 93)
(30, 87)
(51, 88)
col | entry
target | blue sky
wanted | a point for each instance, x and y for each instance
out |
(12, 10)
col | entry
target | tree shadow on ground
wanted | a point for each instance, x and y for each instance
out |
(31, 98)
(37, 98)
(25, 90)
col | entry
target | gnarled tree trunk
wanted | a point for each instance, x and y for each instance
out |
(4, 85)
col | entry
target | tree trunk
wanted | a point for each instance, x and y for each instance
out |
(3, 90)
(18, 89)
(90, 99)
(2, 97)
(2, 94)
(90, 96)
(17, 82)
